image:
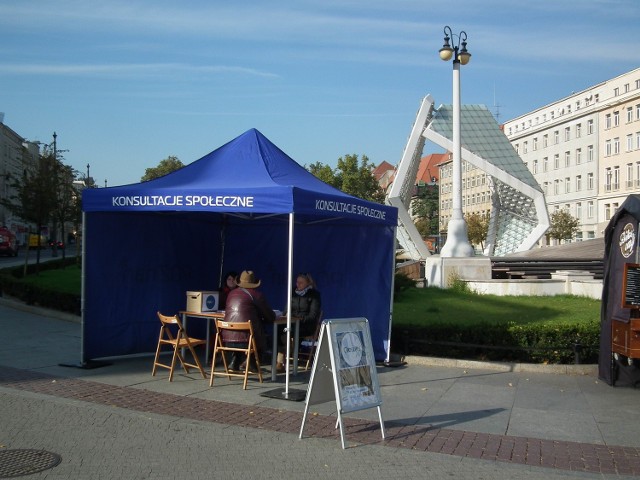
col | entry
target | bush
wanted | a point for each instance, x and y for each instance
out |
(531, 343)
(401, 283)
(13, 284)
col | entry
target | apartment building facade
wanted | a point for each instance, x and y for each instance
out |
(16, 154)
(476, 192)
(584, 150)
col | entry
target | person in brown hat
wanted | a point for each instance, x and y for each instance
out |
(247, 303)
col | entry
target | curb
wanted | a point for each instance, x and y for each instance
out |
(587, 369)
(45, 312)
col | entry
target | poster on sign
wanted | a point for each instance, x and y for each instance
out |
(356, 370)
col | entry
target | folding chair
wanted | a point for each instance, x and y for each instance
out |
(307, 349)
(172, 333)
(249, 350)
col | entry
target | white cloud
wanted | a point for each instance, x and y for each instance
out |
(127, 69)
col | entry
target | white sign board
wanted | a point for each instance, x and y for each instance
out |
(344, 358)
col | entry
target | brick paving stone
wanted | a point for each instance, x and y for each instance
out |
(574, 456)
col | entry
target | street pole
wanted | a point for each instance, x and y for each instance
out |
(457, 243)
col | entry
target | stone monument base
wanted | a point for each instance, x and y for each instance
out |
(442, 271)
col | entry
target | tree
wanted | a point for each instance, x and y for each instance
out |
(168, 165)
(351, 176)
(35, 198)
(477, 228)
(67, 206)
(425, 210)
(563, 225)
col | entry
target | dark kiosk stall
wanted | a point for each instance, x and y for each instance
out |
(619, 362)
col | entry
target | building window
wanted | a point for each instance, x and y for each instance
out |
(578, 210)
(616, 92)
(545, 164)
(629, 142)
(637, 140)
(629, 114)
(590, 209)
(534, 144)
(590, 181)
(607, 180)
(545, 188)
(578, 130)
(590, 127)
(607, 121)
(567, 159)
(616, 119)
(556, 137)
(607, 211)
(578, 183)
(567, 134)
(637, 174)
(578, 156)
(545, 140)
(629, 183)
(607, 148)
(567, 185)
(535, 167)
(626, 87)
(556, 161)
(556, 187)
(616, 145)
(525, 146)
(590, 153)
(638, 112)
(517, 148)
(616, 178)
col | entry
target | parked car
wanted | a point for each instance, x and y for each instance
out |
(37, 241)
(57, 243)
(8, 242)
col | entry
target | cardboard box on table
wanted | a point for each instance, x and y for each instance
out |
(201, 302)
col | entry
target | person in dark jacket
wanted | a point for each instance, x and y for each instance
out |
(305, 305)
(242, 304)
(228, 285)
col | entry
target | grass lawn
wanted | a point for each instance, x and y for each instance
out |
(65, 280)
(425, 306)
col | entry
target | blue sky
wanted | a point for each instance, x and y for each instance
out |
(125, 84)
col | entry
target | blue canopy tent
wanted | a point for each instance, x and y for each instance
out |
(244, 206)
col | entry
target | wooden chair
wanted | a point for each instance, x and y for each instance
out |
(310, 344)
(307, 347)
(250, 350)
(172, 333)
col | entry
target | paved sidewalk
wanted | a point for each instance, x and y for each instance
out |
(439, 418)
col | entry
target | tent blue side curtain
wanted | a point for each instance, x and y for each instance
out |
(147, 244)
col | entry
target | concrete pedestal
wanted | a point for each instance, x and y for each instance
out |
(441, 271)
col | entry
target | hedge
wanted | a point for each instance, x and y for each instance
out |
(532, 343)
(12, 285)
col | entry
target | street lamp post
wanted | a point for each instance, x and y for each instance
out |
(457, 244)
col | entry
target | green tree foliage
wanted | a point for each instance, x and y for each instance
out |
(168, 165)
(563, 225)
(35, 193)
(425, 210)
(477, 228)
(352, 175)
(67, 207)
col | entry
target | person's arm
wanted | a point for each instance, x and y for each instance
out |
(315, 308)
(265, 309)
